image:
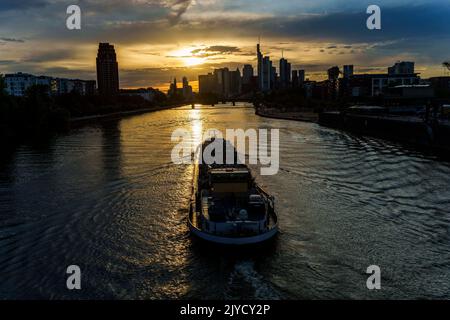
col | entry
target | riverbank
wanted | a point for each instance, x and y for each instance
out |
(275, 113)
(81, 120)
(412, 130)
(12, 138)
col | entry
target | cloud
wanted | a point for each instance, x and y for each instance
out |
(13, 5)
(177, 9)
(226, 30)
(214, 51)
(50, 55)
(222, 49)
(12, 40)
(7, 62)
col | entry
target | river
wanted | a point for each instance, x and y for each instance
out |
(107, 197)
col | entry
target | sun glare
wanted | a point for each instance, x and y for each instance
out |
(187, 57)
(193, 61)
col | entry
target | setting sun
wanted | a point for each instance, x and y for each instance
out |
(187, 57)
(193, 61)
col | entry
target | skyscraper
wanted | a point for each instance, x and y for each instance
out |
(173, 89)
(235, 82)
(301, 77)
(266, 73)
(247, 74)
(260, 68)
(207, 83)
(223, 81)
(294, 78)
(187, 89)
(285, 73)
(107, 70)
(333, 73)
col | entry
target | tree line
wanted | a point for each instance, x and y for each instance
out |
(40, 112)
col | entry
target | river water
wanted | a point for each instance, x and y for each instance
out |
(107, 197)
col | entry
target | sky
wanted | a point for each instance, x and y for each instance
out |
(158, 40)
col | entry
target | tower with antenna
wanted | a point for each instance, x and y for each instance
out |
(260, 65)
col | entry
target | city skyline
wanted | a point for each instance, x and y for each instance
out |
(159, 40)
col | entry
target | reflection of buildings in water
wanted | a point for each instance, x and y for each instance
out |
(111, 148)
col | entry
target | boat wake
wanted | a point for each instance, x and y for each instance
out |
(245, 281)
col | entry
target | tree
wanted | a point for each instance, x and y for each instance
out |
(3, 92)
(446, 64)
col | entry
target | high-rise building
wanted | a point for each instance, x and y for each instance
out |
(260, 68)
(187, 89)
(173, 89)
(403, 67)
(223, 81)
(333, 73)
(294, 78)
(267, 74)
(207, 83)
(333, 83)
(107, 70)
(247, 74)
(348, 71)
(301, 77)
(273, 77)
(235, 83)
(285, 73)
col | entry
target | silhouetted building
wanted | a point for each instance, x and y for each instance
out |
(402, 67)
(415, 92)
(295, 82)
(298, 78)
(18, 83)
(441, 85)
(187, 89)
(266, 73)
(260, 68)
(107, 70)
(301, 77)
(273, 77)
(89, 87)
(348, 71)
(235, 83)
(247, 74)
(173, 89)
(333, 73)
(223, 82)
(207, 83)
(285, 73)
(333, 84)
(372, 85)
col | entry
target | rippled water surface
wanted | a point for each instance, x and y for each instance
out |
(107, 197)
